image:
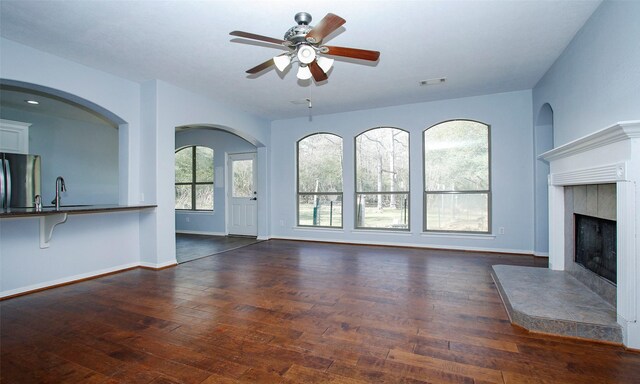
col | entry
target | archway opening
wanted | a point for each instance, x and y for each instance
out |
(211, 168)
(75, 138)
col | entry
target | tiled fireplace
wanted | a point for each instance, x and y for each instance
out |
(598, 176)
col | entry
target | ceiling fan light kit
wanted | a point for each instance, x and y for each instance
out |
(305, 45)
(304, 73)
(282, 62)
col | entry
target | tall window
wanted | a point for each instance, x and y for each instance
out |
(320, 181)
(194, 178)
(457, 183)
(382, 179)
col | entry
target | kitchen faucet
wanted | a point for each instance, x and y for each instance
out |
(60, 187)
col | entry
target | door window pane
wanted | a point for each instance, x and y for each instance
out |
(242, 178)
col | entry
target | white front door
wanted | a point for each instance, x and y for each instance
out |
(243, 197)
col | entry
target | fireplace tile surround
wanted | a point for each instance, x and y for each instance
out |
(609, 156)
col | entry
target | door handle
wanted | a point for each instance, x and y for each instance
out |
(253, 198)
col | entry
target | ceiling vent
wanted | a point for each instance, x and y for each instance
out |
(437, 80)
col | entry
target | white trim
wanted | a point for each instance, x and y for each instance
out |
(609, 173)
(408, 245)
(317, 229)
(192, 212)
(626, 250)
(157, 265)
(461, 236)
(619, 143)
(391, 232)
(620, 131)
(541, 254)
(68, 279)
(263, 238)
(200, 233)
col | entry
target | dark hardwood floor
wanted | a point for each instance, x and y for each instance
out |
(295, 312)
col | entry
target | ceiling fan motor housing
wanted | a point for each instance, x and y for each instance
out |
(297, 34)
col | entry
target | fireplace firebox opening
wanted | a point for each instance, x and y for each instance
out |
(595, 245)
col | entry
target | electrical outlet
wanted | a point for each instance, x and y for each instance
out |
(188, 219)
(142, 197)
(282, 223)
(501, 231)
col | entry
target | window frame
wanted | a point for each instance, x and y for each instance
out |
(357, 193)
(193, 183)
(488, 192)
(298, 193)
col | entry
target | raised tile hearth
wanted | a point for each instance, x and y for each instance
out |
(555, 302)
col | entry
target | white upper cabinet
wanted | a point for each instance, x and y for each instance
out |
(14, 136)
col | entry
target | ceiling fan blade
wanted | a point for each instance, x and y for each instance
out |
(317, 72)
(261, 67)
(253, 36)
(361, 54)
(327, 25)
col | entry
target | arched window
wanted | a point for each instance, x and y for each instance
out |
(457, 180)
(194, 178)
(320, 180)
(382, 179)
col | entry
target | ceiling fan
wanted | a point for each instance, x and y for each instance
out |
(305, 46)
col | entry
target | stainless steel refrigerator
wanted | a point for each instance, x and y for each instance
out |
(19, 180)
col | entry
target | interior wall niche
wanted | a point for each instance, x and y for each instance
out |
(598, 201)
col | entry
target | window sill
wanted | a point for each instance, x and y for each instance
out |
(317, 229)
(474, 236)
(393, 232)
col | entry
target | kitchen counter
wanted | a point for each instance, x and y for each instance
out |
(50, 217)
(71, 209)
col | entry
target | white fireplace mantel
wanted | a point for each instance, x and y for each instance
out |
(611, 155)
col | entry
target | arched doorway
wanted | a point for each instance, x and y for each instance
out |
(209, 164)
(543, 142)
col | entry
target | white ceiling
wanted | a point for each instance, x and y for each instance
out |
(481, 47)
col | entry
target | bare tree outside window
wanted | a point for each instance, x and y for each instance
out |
(382, 179)
(456, 177)
(194, 178)
(320, 181)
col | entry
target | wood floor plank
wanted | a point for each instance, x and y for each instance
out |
(295, 312)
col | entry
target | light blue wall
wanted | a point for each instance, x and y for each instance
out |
(510, 117)
(596, 81)
(85, 245)
(84, 153)
(222, 144)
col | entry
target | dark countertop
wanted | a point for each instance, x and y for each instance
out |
(71, 209)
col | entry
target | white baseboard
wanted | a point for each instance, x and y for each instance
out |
(157, 265)
(65, 280)
(201, 233)
(541, 254)
(409, 245)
